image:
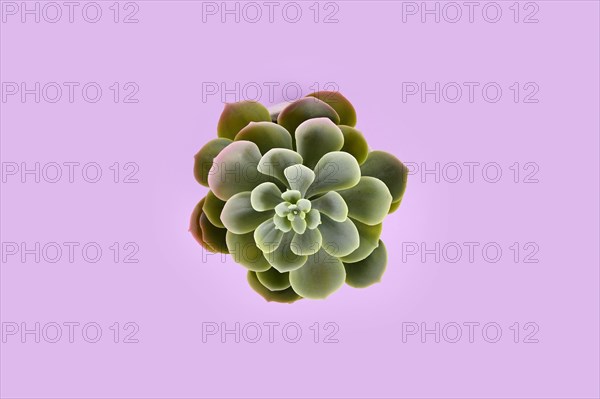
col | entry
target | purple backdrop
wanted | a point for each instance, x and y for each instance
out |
(492, 282)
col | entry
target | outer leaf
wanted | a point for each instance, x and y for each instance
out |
(213, 235)
(273, 280)
(283, 259)
(389, 170)
(286, 296)
(239, 217)
(237, 115)
(334, 171)
(235, 170)
(245, 252)
(274, 162)
(203, 160)
(267, 237)
(394, 207)
(331, 204)
(355, 143)
(213, 207)
(265, 196)
(368, 201)
(319, 277)
(315, 138)
(340, 104)
(195, 228)
(368, 271)
(369, 240)
(339, 238)
(303, 109)
(266, 135)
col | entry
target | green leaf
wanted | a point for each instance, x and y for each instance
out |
(339, 238)
(282, 223)
(334, 171)
(313, 219)
(320, 276)
(266, 135)
(299, 226)
(213, 235)
(355, 143)
(331, 204)
(285, 296)
(395, 205)
(273, 280)
(340, 104)
(239, 216)
(213, 207)
(315, 138)
(369, 240)
(236, 116)
(245, 252)
(265, 196)
(303, 109)
(274, 162)
(235, 170)
(195, 228)
(306, 243)
(283, 209)
(389, 170)
(299, 178)
(203, 160)
(267, 237)
(283, 258)
(368, 271)
(368, 201)
(291, 196)
(303, 205)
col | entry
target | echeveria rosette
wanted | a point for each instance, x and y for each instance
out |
(296, 197)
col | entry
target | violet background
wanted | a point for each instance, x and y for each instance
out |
(171, 291)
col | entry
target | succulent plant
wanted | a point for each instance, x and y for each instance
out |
(297, 197)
